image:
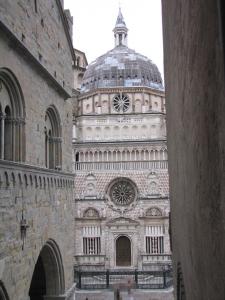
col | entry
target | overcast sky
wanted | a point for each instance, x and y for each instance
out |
(94, 21)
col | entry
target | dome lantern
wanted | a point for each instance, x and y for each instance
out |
(120, 31)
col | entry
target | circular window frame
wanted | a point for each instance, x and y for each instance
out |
(121, 103)
(123, 200)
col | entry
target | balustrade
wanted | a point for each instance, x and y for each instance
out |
(123, 165)
(152, 258)
(90, 259)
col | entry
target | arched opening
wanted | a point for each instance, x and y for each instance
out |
(53, 140)
(3, 293)
(12, 118)
(48, 275)
(123, 251)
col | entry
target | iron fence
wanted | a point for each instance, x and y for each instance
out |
(110, 279)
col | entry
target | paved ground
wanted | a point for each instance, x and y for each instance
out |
(135, 295)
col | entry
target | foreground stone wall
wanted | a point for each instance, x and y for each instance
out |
(34, 198)
(194, 80)
(45, 200)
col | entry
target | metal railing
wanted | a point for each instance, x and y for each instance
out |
(109, 279)
(121, 165)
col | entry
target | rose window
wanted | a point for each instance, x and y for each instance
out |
(122, 192)
(121, 103)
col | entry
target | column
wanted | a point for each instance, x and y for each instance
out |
(16, 138)
(2, 135)
(98, 155)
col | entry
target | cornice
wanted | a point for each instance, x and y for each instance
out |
(124, 143)
(121, 115)
(123, 89)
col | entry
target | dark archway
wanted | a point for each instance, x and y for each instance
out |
(48, 275)
(3, 293)
(123, 251)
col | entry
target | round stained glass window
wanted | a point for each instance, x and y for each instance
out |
(122, 192)
(121, 103)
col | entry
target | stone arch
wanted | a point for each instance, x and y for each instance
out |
(3, 292)
(154, 212)
(53, 139)
(12, 117)
(48, 274)
(91, 213)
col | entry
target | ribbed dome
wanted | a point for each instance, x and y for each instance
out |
(121, 67)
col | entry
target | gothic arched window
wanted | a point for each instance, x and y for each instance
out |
(12, 118)
(53, 139)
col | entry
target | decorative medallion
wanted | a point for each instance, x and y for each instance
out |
(121, 103)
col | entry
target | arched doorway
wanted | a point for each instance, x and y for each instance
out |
(123, 251)
(3, 293)
(48, 275)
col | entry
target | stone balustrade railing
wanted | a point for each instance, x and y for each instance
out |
(123, 165)
(152, 258)
(90, 259)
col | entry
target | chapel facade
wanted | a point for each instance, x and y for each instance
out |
(120, 162)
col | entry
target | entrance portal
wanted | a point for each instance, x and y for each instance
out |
(48, 276)
(123, 251)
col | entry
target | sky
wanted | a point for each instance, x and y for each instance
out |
(94, 20)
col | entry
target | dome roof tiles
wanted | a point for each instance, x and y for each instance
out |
(124, 67)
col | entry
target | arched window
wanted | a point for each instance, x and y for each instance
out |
(12, 118)
(53, 139)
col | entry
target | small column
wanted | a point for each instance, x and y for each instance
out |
(98, 156)
(2, 135)
(16, 137)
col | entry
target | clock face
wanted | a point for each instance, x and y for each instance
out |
(121, 103)
(122, 192)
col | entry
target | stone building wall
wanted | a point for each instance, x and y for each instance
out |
(42, 32)
(38, 97)
(194, 80)
(45, 200)
(36, 202)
